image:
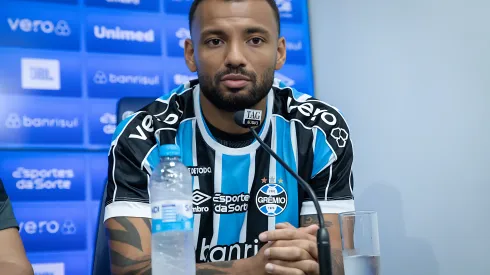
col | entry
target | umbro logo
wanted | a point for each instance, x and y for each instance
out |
(199, 197)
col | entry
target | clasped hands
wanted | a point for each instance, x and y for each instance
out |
(289, 250)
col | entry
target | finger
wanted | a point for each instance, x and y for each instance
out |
(281, 270)
(309, 267)
(285, 234)
(312, 229)
(287, 254)
(308, 246)
(284, 225)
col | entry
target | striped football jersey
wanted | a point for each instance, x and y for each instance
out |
(237, 192)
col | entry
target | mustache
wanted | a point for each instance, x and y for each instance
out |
(239, 70)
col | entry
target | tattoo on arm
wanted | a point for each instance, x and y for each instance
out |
(217, 268)
(130, 245)
(307, 220)
(334, 231)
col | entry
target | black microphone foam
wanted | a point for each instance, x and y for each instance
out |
(239, 119)
(323, 238)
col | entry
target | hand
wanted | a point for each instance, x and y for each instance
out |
(291, 250)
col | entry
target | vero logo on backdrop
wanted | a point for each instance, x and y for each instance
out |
(60, 28)
(39, 28)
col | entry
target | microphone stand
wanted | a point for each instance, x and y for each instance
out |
(323, 238)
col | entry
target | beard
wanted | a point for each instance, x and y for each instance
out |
(233, 100)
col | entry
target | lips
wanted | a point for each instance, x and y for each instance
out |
(235, 81)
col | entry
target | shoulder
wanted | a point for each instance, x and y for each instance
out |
(164, 112)
(309, 111)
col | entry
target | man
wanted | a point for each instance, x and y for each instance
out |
(13, 258)
(235, 49)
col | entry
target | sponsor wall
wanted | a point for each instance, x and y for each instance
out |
(64, 65)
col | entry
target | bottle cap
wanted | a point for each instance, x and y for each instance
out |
(169, 150)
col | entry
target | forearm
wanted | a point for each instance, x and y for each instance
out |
(238, 267)
(333, 227)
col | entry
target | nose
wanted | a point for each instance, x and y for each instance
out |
(235, 57)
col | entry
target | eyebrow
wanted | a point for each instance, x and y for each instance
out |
(250, 30)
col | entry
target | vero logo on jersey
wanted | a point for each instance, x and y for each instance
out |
(146, 126)
(41, 74)
(117, 33)
(60, 28)
(312, 112)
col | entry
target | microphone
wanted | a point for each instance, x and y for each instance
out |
(250, 118)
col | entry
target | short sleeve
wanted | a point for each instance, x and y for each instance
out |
(331, 177)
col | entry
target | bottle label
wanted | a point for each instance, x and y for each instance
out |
(171, 215)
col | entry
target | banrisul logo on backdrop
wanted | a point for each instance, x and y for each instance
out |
(102, 121)
(295, 45)
(177, 6)
(115, 78)
(143, 5)
(43, 176)
(41, 121)
(118, 34)
(290, 11)
(56, 228)
(176, 32)
(48, 74)
(36, 28)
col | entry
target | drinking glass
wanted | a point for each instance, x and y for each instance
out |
(360, 242)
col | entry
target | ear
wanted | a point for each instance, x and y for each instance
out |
(281, 53)
(189, 55)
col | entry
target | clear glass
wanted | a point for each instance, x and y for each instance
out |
(360, 242)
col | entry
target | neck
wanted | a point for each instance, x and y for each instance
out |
(225, 121)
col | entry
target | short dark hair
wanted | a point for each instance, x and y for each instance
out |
(271, 3)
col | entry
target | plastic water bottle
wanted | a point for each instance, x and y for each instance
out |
(172, 241)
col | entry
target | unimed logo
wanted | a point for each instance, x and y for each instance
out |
(16, 121)
(117, 33)
(27, 25)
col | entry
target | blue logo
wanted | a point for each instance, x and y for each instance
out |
(60, 263)
(271, 199)
(127, 35)
(177, 6)
(176, 32)
(116, 78)
(98, 174)
(138, 5)
(102, 121)
(295, 46)
(296, 77)
(59, 227)
(37, 28)
(290, 10)
(41, 121)
(43, 176)
(178, 74)
(44, 75)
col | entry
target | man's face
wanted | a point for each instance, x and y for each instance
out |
(235, 50)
